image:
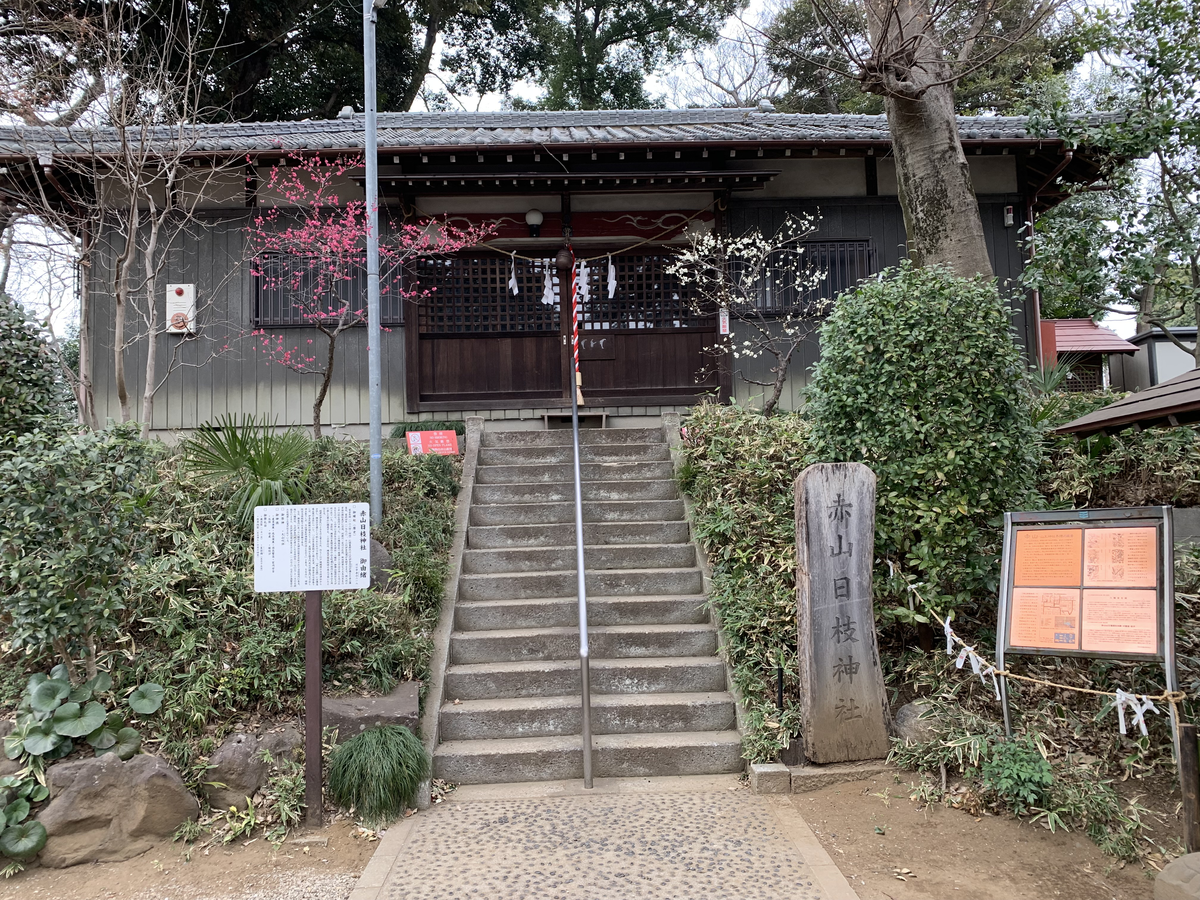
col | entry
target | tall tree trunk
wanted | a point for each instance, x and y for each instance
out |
(941, 213)
(433, 27)
(121, 307)
(84, 400)
(151, 286)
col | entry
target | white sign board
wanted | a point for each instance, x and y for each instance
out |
(181, 309)
(312, 547)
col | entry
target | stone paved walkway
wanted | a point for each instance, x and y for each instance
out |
(657, 839)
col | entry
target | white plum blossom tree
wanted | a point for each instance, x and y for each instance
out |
(770, 287)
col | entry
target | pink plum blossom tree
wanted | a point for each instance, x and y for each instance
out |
(310, 247)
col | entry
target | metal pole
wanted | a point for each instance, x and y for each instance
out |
(374, 364)
(314, 805)
(1002, 617)
(566, 275)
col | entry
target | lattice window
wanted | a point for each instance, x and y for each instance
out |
(290, 290)
(471, 295)
(646, 296)
(834, 267)
(1087, 375)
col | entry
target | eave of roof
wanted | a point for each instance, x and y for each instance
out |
(1174, 402)
(411, 132)
(1183, 332)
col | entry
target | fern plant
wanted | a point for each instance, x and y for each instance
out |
(377, 773)
(269, 469)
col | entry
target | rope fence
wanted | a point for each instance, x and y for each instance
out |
(1138, 704)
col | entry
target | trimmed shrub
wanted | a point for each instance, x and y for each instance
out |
(29, 386)
(739, 467)
(72, 509)
(377, 773)
(919, 379)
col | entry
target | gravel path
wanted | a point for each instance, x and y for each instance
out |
(715, 845)
(291, 886)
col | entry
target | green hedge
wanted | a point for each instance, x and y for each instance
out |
(920, 379)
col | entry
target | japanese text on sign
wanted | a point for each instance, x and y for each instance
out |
(312, 547)
(1085, 588)
(444, 443)
(844, 704)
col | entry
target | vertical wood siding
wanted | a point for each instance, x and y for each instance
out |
(212, 255)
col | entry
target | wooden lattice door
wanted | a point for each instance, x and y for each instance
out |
(642, 339)
(475, 344)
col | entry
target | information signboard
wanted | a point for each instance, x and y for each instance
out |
(444, 443)
(312, 547)
(1087, 583)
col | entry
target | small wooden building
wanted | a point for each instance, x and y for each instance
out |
(1089, 349)
(1159, 359)
(628, 187)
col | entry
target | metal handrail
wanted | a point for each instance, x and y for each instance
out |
(581, 580)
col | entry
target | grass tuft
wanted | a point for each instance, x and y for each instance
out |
(377, 773)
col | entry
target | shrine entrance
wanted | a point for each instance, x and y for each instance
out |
(477, 344)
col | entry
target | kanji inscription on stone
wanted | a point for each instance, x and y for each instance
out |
(844, 706)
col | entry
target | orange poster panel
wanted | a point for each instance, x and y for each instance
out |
(1048, 557)
(1120, 621)
(1045, 618)
(1121, 557)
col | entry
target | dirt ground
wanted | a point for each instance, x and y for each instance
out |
(941, 853)
(303, 869)
(871, 829)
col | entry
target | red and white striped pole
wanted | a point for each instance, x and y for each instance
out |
(575, 328)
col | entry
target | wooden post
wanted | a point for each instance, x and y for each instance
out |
(843, 703)
(313, 801)
(1189, 786)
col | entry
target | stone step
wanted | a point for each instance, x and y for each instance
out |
(595, 534)
(604, 642)
(557, 559)
(550, 678)
(613, 755)
(561, 612)
(604, 583)
(563, 453)
(611, 714)
(589, 472)
(557, 437)
(559, 491)
(563, 512)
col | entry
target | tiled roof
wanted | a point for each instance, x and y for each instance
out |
(511, 129)
(1085, 336)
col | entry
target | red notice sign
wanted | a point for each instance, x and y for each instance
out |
(444, 443)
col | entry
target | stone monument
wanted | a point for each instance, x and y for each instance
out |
(844, 705)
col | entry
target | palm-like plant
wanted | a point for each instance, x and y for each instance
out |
(269, 468)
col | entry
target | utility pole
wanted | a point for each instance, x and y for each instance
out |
(374, 361)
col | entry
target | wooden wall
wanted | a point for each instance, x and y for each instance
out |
(212, 255)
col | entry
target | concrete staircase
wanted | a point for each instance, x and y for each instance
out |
(511, 709)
